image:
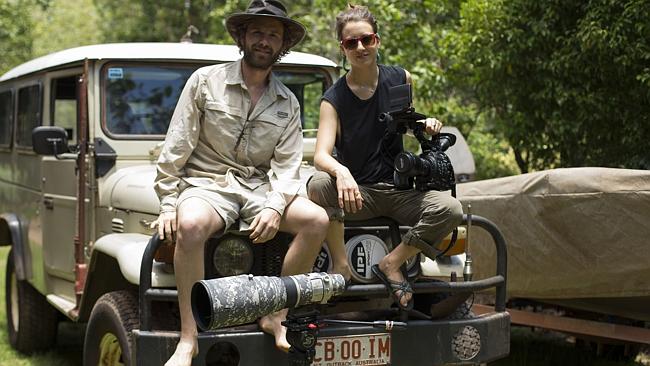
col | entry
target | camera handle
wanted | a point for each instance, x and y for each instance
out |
(302, 333)
(407, 119)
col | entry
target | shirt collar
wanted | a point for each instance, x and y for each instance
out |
(234, 76)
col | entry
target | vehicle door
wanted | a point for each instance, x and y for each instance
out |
(59, 185)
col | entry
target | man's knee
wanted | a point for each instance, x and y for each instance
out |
(319, 221)
(312, 218)
(192, 228)
(196, 223)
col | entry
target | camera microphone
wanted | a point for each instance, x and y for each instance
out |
(236, 300)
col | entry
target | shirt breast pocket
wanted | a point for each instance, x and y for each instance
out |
(221, 119)
(265, 135)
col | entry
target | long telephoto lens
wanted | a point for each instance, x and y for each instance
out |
(236, 300)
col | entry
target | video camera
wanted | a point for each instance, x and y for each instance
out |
(432, 169)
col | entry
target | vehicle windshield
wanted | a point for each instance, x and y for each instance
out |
(140, 99)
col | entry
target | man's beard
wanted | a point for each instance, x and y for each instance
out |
(255, 61)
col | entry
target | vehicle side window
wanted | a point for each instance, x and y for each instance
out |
(29, 114)
(308, 88)
(64, 105)
(6, 118)
(140, 99)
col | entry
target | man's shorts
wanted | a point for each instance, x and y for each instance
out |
(232, 202)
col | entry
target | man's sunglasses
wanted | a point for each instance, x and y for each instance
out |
(366, 40)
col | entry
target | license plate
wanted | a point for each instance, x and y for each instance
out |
(357, 350)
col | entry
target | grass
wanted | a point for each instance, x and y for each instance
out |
(527, 348)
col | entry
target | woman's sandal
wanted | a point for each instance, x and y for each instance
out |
(394, 286)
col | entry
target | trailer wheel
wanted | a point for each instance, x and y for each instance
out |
(31, 321)
(109, 337)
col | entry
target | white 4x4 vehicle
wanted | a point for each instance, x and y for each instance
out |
(77, 200)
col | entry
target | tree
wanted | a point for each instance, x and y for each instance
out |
(414, 34)
(15, 34)
(566, 82)
(62, 24)
(161, 20)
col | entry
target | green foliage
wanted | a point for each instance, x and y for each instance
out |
(493, 156)
(566, 82)
(563, 83)
(160, 20)
(15, 34)
(415, 36)
(64, 24)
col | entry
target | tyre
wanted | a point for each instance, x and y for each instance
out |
(109, 337)
(31, 321)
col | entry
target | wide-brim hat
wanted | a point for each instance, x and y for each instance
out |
(266, 9)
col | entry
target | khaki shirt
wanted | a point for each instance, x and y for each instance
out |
(213, 137)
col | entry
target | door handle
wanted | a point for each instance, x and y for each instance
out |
(48, 202)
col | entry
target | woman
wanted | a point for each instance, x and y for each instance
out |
(358, 182)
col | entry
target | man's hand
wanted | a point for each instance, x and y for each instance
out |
(265, 225)
(166, 224)
(432, 126)
(348, 191)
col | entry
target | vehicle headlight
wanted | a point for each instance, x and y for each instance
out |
(232, 256)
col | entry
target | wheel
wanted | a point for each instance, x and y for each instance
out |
(109, 337)
(31, 321)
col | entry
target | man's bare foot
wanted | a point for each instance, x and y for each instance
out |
(343, 270)
(185, 351)
(395, 274)
(272, 324)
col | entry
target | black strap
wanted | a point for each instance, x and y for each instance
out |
(454, 233)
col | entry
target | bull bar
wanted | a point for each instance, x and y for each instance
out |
(475, 340)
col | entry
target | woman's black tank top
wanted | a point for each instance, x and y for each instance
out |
(363, 145)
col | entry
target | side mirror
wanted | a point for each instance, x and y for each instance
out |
(50, 140)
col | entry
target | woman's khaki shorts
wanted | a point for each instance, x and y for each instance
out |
(432, 215)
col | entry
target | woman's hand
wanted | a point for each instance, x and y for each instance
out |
(348, 191)
(432, 126)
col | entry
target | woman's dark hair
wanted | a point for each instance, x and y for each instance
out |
(354, 13)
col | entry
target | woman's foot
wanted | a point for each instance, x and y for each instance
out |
(272, 324)
(185, 351)
(398, 283)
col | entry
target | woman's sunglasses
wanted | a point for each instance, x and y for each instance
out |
(366, 40)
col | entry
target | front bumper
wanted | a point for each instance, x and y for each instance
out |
(422, 342)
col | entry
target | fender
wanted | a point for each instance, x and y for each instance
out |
(12, 233)
(115, 265)
(128, 249)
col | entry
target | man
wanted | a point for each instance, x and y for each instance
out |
(233, 152)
